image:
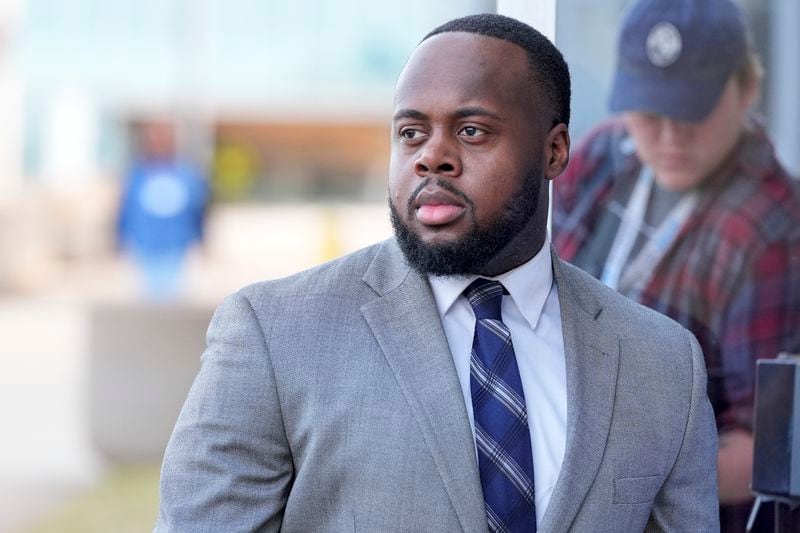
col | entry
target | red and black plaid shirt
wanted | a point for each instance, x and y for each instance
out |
(732, 275)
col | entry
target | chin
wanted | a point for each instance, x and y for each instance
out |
(676, 181)
(439, 237)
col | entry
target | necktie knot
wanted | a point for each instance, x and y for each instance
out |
(485, 297)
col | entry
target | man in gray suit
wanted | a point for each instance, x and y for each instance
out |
(458, 377)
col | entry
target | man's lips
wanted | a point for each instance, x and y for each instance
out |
(673, 159)
(437, 207)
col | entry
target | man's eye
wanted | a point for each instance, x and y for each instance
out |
(410, 133)
(472, 131)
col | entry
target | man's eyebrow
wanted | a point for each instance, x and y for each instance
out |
(466, 112)
(409, 113)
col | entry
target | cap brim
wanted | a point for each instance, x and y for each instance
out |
(679, 99)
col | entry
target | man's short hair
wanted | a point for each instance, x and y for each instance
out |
(549, 71)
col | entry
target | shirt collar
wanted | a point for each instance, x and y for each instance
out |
(528, 284)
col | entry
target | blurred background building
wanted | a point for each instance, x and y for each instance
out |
(283, 108)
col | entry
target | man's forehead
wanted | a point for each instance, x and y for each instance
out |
(462, 65)
(451, 51)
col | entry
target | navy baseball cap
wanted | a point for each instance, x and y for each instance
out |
(674, 57)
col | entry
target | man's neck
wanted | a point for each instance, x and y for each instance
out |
(520, 250)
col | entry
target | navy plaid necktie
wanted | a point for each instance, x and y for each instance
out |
(501, 420)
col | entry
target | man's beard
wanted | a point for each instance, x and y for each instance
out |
(468, 254)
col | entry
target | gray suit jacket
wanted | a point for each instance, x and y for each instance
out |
(328, 401)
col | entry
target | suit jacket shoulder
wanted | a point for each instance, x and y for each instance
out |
(629, 319)
(341, 275)
(641, 441)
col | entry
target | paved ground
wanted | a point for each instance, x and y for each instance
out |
(24, 505)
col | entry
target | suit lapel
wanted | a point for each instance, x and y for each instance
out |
(408, 329)
(592, 354)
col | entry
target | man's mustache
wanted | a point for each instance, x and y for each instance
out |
(442, 184)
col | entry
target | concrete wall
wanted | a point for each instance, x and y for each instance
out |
(142, 360)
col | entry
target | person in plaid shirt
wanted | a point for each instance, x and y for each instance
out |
(681, 204)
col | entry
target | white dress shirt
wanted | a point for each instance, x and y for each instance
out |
(533, 315)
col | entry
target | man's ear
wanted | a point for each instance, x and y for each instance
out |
(750, 92)
(556, 151)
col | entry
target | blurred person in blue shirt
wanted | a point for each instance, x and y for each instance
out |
(162, 209)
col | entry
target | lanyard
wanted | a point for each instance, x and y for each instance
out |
(629, 228)
(631, 277)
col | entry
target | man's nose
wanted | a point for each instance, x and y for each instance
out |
(674, 130)
(440, 156)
